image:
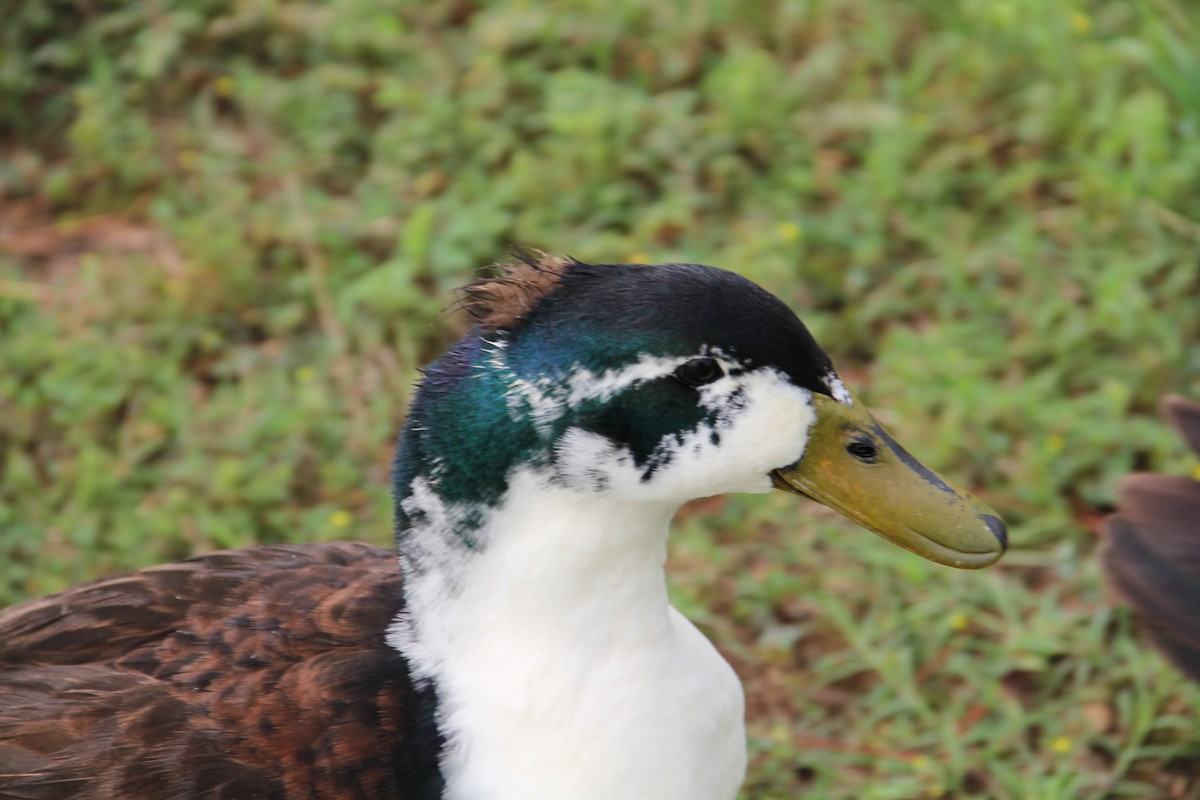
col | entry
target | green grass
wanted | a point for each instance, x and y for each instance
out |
(228, 231)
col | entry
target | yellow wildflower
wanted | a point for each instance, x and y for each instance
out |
(790, 231)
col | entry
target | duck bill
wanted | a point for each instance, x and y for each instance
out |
(855, 467)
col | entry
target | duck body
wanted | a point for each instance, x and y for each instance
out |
(526, 647)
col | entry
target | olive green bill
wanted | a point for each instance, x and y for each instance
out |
(855, 467)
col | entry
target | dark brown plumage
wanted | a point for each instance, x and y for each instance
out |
(256, 673)
(1152, 555)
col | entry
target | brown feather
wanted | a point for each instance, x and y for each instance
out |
(256, 673)
(504, 300)
(1152, 553)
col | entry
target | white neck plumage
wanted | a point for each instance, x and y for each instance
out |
(560, 667)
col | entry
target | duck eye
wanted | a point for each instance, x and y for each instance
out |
(863, 450)
(699, 371)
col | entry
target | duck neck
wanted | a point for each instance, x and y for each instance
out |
(559, 666)
(579, 572)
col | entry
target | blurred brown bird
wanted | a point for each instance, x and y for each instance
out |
(1152, 554)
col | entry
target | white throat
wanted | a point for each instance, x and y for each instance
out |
(561, 669)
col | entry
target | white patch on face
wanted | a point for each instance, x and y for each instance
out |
(719, 392)
(838, 389)
(587, 459)
(587, 385)
(761, 424)
(546, 399)
(538, 399)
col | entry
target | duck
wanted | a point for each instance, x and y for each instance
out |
(519, 642)
(1151, 553)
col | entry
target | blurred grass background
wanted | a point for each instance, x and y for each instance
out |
(228, 229)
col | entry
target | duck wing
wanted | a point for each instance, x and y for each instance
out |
(254, 673)
(1152, 555)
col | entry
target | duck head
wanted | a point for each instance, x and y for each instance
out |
(657, 385)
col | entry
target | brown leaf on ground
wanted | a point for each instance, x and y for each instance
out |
(49, 250)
